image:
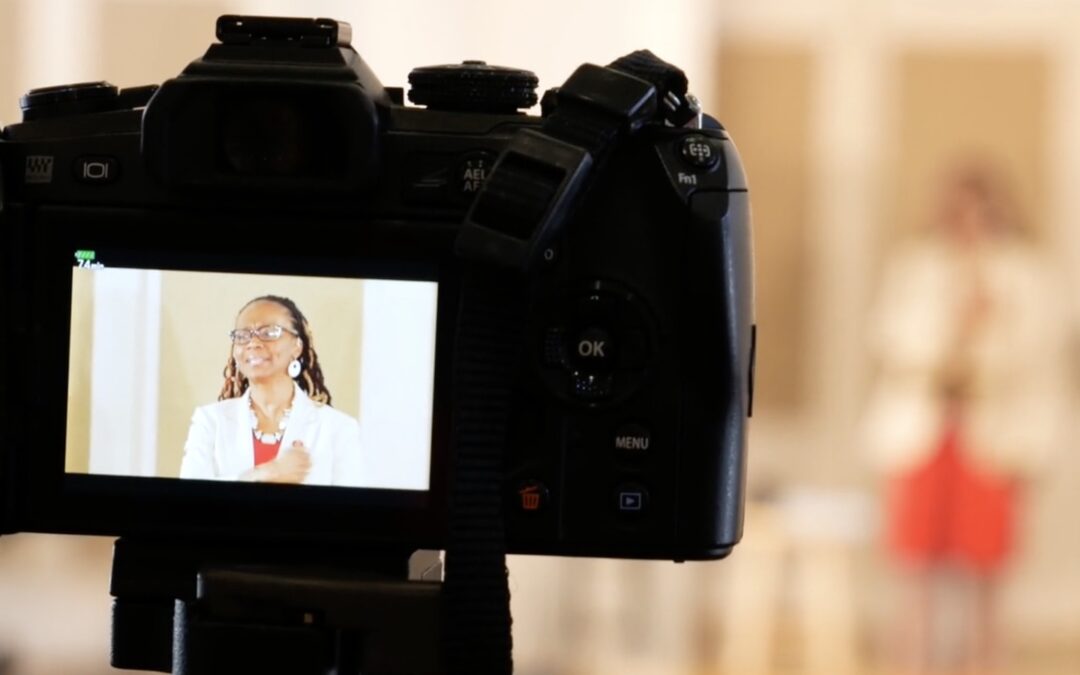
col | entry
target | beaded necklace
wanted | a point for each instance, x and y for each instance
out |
(275, 437)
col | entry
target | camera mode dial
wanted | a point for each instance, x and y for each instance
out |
(473, 86)
(80, 99)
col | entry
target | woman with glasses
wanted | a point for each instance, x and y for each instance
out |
(273, 422)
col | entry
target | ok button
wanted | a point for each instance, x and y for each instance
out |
(593, 349)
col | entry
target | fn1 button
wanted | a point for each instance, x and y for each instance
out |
(97, 170)
(699, 152)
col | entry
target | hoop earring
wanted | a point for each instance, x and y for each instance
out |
(294, 368)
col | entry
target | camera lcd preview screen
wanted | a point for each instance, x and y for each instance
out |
(250, 377)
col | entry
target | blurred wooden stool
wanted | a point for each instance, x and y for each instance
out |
(795, 568)
(748, 596)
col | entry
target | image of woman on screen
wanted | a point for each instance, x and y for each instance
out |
(273, 421)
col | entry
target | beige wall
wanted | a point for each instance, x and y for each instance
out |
(198, 310)
(9, 62)
(959, 103)
(162, 38)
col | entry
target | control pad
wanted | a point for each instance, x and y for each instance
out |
(594, 349)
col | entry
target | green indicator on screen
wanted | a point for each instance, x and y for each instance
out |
(86, 259)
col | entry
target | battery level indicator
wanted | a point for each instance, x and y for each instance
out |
(87, 259)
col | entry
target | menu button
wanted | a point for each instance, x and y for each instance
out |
(633, 439)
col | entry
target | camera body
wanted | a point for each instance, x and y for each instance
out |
(279, 154)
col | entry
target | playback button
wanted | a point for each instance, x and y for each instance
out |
(97, 169)
(632, 500)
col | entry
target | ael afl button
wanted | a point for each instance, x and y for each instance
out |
(472, 172)
(96, 170)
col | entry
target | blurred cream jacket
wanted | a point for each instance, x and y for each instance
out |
(1018, 387)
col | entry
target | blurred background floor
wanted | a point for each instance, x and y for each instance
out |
(770, 609)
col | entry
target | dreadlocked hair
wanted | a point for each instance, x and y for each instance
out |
(311, 375)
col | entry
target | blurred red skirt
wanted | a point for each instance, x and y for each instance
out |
(950, 510)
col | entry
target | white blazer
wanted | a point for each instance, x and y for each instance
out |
(220, 445)
(1020, 395)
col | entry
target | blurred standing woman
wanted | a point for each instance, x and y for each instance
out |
(273, 421)
(968, 335)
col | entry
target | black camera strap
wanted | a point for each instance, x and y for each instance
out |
(534, 187)
(476, 623)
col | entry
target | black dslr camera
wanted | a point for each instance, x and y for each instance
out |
(143, 228)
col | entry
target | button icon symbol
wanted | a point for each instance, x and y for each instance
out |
(39, 169)
(592, 348)
(591, 387)
(632, 442)
(97, 170)
(699, 152)
(473, 178)
(472, 172)
(631, 501)
(530, 498)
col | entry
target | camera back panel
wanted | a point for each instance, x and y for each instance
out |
(629, 418)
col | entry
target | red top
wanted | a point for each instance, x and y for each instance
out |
(265, 452)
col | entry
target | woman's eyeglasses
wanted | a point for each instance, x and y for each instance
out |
(242, 336)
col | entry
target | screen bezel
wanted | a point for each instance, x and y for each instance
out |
(55, 501)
